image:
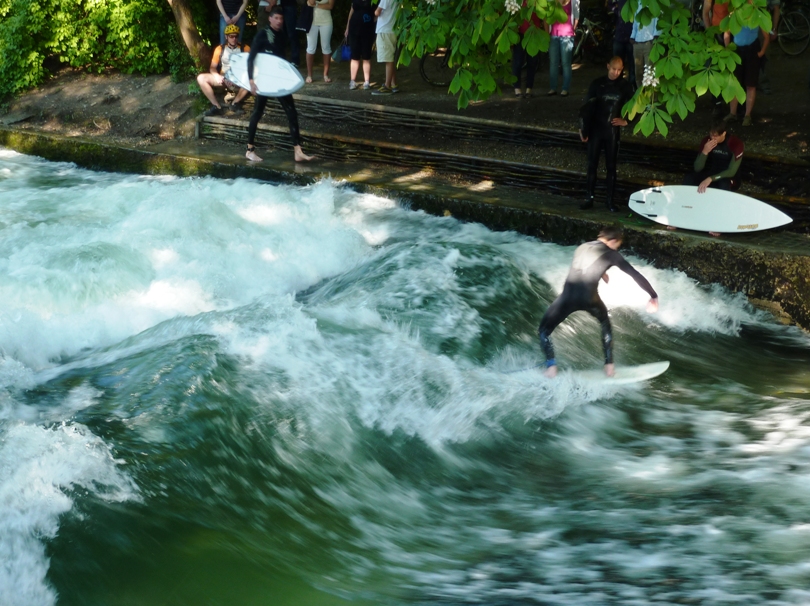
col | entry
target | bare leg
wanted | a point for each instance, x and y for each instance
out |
(327, 61)
(243, 92)
(300, 156)
(390, 75)
(366, 71)
(354, 66)
(750, 97)
(203, 81)
(310, 63)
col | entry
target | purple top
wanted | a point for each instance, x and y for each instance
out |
(564, 29)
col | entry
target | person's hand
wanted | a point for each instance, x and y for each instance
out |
(760, 53)
(583, 137)
(652, 305)
(773, 35)
(220, 80)
(618, 122)
(346, 33)
(606, 277)
(704, 185)
(710, 145)
(253, 88)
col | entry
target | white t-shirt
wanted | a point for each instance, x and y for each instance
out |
(385, 22)
(321, 16)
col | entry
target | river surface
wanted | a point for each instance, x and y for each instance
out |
(235, 393)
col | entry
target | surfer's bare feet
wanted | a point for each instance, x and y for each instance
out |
(300, 156)
(308, 80)
(550, 372)
(610, 370)
(251, 155)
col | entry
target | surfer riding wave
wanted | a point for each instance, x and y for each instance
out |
(580, 293)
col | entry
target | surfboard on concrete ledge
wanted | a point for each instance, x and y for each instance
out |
(274, 76)
(715, 210)
(625, 375)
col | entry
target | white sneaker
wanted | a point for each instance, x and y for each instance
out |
(366, 86)
(252, 156)
(352, 85)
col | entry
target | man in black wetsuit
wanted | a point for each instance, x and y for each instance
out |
(271, 40)
(600, 126)
(580, 293)
(718, 163)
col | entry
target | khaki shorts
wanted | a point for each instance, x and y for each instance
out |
(386, 47)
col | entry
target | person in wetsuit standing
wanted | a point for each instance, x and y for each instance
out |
(271, 40)
(580, 293)
(600, 126)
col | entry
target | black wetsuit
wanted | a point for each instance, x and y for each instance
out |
(603, 103)
(273, 42)
(591, 261)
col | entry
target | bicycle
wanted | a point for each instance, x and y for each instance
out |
(434, 67)
(591, 39)
(793, 31)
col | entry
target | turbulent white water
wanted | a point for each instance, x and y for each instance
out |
(235, 392)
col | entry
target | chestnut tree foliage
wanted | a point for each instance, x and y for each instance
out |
(479, 35)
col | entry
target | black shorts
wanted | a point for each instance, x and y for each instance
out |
(361, 39)
(747, 71)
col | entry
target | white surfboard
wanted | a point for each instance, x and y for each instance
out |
(274, 76)
(625, 375)
(715, 210)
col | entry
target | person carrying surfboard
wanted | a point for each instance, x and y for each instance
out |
(580, 293)
(271, 40)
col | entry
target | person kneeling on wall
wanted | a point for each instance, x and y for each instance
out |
(718, 163)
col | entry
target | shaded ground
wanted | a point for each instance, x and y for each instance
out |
(138, 111)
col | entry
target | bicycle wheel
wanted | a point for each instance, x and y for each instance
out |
(434, 69)
(793, 33)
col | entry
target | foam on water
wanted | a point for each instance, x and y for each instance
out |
(348, 319)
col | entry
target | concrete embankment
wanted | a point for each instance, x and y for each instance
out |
(771, 268)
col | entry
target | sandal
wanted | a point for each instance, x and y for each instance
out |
(308, 80)
(327, 79)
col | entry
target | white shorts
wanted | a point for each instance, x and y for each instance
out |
(386, 47)
(325, 33)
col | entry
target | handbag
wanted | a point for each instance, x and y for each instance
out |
(304, 22)
(342, 52)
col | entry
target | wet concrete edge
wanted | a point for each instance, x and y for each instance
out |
(776, 280)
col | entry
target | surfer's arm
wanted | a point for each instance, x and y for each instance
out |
(637, 277)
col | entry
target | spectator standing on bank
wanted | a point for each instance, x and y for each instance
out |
(231, 12)
(775, 8)
(360, 32)
(386, 14)
(642, 37)
(321, 28)
(520, 56)
(622, 47)
(751, 52)
(561, 47)
(713, 13)
(290, 10)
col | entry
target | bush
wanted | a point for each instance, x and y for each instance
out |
(133, 36)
